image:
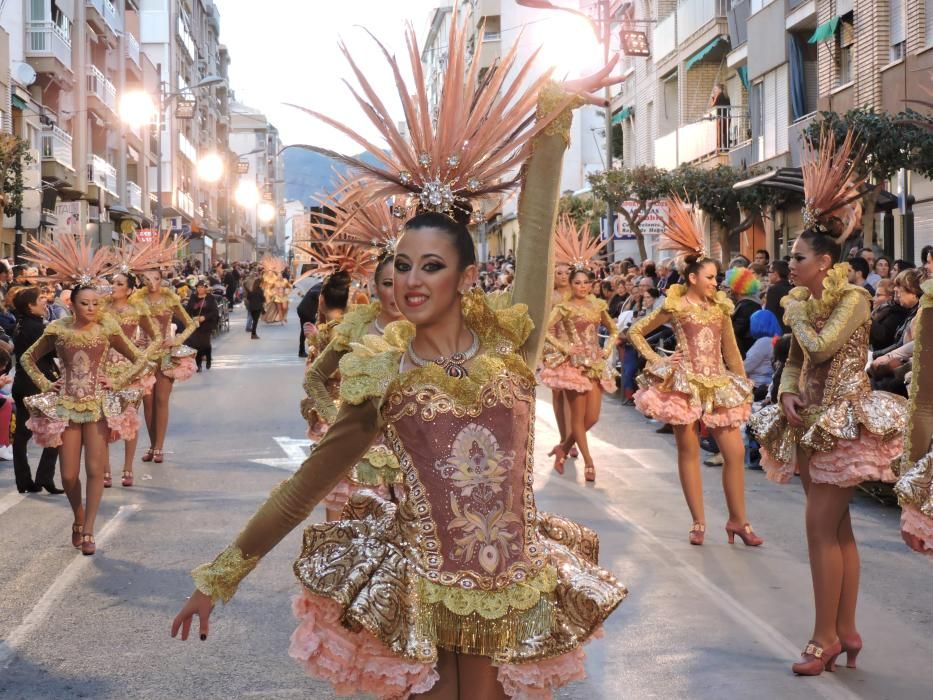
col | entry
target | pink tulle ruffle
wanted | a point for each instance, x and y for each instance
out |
(338, 498)
(728, 417)
(353, 662)
(126, 425)
(564, 377)
(915, 523)
(667, 406)
(182, 369)
(47, 432)
(536, 680)
(867, 458)
(144, 383)
(778, 472)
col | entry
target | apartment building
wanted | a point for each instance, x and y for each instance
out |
(737, 81)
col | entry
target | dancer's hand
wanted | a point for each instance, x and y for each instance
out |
(676, 358)
(914, 542)
(168, 343)
(58, 384)
(198, 604)
(310, 330)
(5, 379)
(790, 403)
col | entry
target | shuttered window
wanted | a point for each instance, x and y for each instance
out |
(782, 109)
(929, 18)
(897, 36)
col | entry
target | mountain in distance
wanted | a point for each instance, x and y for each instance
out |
(307, 174)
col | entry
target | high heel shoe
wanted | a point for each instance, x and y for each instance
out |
(745, 532)
(77, 530)
(815, 659)
(559, 458)
(88, 546)
(127, 479)
(851, 646)
(589, 471)
(697, 533)
(157, 456)
(148, 456)
(574, 452)
(108, 480)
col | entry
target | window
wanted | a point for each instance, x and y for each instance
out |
(770, 97)
(897, 36)
(929, 17)
(845, 40)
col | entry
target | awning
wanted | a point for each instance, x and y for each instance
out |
(621, 115)
(699, 55)
(18, 102)
(825, 31)
(743, 76)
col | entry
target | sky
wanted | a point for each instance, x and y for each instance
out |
(287, 51)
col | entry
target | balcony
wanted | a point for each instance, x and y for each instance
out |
(102, 174)
(48, 46)
(132, 49)
(57, 146)
(664, 37)
(101, 90)
(691, 17)
(184, 203)
(134, 196)
(720, 131)
(103, 15)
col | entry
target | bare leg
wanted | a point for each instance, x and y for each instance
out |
(149, 414)
(478, 678)
(827, 507)
(594, 406)
(332, 515)
(95, 463)
(688, 466)
(161, 393)
(446, 686)
(578, 425)
(845, 624)
(129, 453)
(69, 455)
(733, 472)
(557, 402)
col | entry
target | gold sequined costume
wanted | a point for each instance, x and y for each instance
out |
(709, 384)
(573, 359)
(851, 432)
(915, 486)
(137, 325)
(176, 362)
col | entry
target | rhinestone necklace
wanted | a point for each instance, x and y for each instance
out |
(454, 365)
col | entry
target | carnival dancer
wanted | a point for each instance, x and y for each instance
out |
(273, 286)
(176, 361)
(704, 380)
(473, 593)
(133, 259)
(829, 422)
(915, 486)
(373, 232)
(560, 292)
(85, 406)
(574, 363)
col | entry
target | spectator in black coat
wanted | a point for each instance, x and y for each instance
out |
(887, 316)
(203, 308)
(745, 286)
(778, 287)
(255, 301)
(307, 313)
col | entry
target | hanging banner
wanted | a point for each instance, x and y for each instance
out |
(652, 225)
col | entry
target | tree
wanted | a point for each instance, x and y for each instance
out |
(14, 155)
(642, 187)
(889, 143)
(583, 210)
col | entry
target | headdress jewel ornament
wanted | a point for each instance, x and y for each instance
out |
(574, 246)
(467, 151)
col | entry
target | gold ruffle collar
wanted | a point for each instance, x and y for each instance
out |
(835, 285)
(674, 302)
(354, 325)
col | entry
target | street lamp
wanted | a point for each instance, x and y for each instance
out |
(265, 212)
(211, 167)
(246, 194)
(138, 108)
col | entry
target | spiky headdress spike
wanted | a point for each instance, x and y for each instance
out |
(574, 246)
(70, 259)
(273, 263)
(832, 188)
(685, 229)
(470, 148)
(136, 256)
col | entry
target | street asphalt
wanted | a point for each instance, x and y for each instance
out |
(709, 622)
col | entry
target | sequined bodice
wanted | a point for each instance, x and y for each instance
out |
(468, 502)
(699, 337)
(841, 377)
(81, 364)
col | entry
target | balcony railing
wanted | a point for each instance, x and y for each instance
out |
(48, 39)
(721, 130)
(185, 202)
(97, 84)
(102, 174)
(664, 37)
(134, 196)
(132, 48)
(692, 15)
(57, 146)
(107, 10)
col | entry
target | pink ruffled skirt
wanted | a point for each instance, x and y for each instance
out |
(678, 409)
(182, 369)
(47, 432)
(849, 463)
(913, 522)
(124, 426)
(565, 378)
(356, 662)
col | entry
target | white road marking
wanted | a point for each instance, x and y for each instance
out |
(295, 451)
(10, 500)
(51, 598)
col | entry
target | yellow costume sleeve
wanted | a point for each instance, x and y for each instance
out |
(124, 346)
(292, 501)
(851, 312)
(36, 352)
(556, 318)
(316, 377)
(151, 329)
(644, 326)
(179, 312)
(790, 376)
(609, 323)
(537, 216)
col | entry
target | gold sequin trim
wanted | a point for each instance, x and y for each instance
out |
(220, 578)
(491, 605)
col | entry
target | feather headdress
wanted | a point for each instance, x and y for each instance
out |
(470, 148)
(166, 249)
(684, 231)
(70, 259)
(574, 246)
(329, 257)
(273, 263)
(137, 256)
(832, 189)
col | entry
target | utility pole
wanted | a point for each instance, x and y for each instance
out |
(606, 12)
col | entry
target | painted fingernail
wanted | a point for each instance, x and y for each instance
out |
(203, 637)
